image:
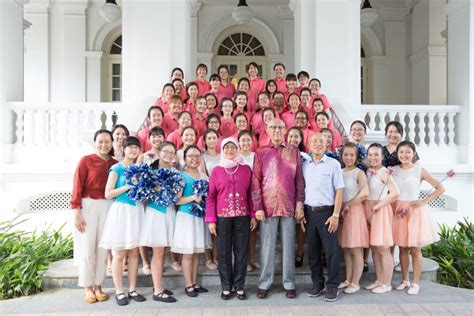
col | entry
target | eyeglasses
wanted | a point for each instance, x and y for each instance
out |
(276, 127)
(301, 118)
(193, 156)
(167, 152)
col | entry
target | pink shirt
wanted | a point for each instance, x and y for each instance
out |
(254, 141)
(257, 123)
(277, 181)
(203, 86)
(281, 84)
(227, 91)
(219, 96)
(189, 106)
(144, 138)
(229, 195)
(170, 123)
(257, 85)
(227, 127)
(264, 139)
(201, 146)
(289, 118)
(175, 138)
(162, 104)
(199, 125)
(326, 104)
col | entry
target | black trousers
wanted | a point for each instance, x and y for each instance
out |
(233, 236)
(318, 238)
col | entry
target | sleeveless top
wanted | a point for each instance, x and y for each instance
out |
(121, 181)
(351, 188)
(377, 189)
(211, 161)
(408, 181)
(188, 190)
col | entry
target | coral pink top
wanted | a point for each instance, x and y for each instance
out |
(230, 193)
(175, 138)
(189, 106)
(257, 85)
(203, 86)
(227, 91)
(264, 139)
(170, 123)
(326, 104)
(289, 118)
(162, 104)
(281, 84)
(227, 127)
(199, 125)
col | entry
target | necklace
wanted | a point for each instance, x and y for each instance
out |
(231, 173)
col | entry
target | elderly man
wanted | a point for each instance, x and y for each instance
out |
(323, 192)
(278, 196)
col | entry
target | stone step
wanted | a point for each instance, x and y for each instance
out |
(63, 274)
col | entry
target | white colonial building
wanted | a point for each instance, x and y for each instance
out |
(66, 72)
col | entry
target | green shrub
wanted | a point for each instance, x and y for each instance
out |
(25, 256)
(455, 254)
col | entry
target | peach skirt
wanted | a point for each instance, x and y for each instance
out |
(415, 229)
(380, 225)
(353, 232)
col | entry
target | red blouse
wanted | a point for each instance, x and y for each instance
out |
(90, 179)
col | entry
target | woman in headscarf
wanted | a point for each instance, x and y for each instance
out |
(231, 217)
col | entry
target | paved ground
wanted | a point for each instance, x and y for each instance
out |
(433, 299)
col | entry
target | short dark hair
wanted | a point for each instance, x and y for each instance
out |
(397, 125)
(201, 65)
(214, 77)
(125, 129)
(291, 77)
(278, 64)
(322, 113)
(189, 148)
(317, 80)
(156, 131)
(361, 123)
(168, 85)
(155, 107)
(177, 69)
(245, 132)
(131, 141)
(303, 73)
(239, 115)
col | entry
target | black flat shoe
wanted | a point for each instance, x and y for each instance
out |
(241, 296)
(190, 291)
(136, 296)
(299, 261)
(227, 296)
(200, 289)
(121, 299)
(163, 297)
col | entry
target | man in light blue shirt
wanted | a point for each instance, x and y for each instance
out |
(324, 186)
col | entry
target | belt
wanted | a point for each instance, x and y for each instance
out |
(320, 208)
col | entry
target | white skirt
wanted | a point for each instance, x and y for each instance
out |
(158, 227)
(189, 234)
(122, 227)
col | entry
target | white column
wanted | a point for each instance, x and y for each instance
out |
(156, 38)
(93, 67)
(11, 70)
(461, 73)
(395, 51)
(288, 56)
(377, 79)
(327, 45)
(37, 52)
(428, 53)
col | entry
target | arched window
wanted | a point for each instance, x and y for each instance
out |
(241, 44)
(115, 71)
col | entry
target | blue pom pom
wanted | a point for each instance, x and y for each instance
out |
(201, 188)
(170, 182)
(141, 179)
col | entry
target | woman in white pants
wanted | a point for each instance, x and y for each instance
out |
(90, 210)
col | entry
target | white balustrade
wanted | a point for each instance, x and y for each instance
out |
(59, 124)
(426, 125)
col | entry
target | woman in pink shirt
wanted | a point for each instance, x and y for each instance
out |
(303, 78)
(268, 115)
(226, 88)
(305, 96)
(263, 103)
(231, 217)
(240, 100)
(211, 103)
(322, 121)
(203, 84)
(170, 120)
(271, 88)
(213, 121)
(215, 82)
(166, 94)
(290, 86)
(294, 103)
(227, 122)
(179, 88)
(192, 92)
(302, 123)
(315, 87)
(155, 116)
(242, 124)
(257, 84)
(184, 120)
(199, 118)
(279, 70)
(279, 103)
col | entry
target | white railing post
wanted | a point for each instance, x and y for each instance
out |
(441, 130)
(422, 130)
(19, 124)
(431, 129)
(451, 129)
(53, 128)
(109, 123)
(411, 126)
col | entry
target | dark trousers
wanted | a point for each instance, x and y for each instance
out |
(318, 238)
(233, 236)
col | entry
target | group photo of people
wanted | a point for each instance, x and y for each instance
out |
(246, 162)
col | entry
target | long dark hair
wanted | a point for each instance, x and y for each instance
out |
(412, 146)
(301, 146)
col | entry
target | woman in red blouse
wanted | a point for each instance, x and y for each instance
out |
(90, 210)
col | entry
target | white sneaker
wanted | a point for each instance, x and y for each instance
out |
(352, 288)
(382, 289)
(414, 289)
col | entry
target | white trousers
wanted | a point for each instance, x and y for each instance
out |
(91, 259)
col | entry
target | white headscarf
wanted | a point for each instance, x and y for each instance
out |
(227, 163)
